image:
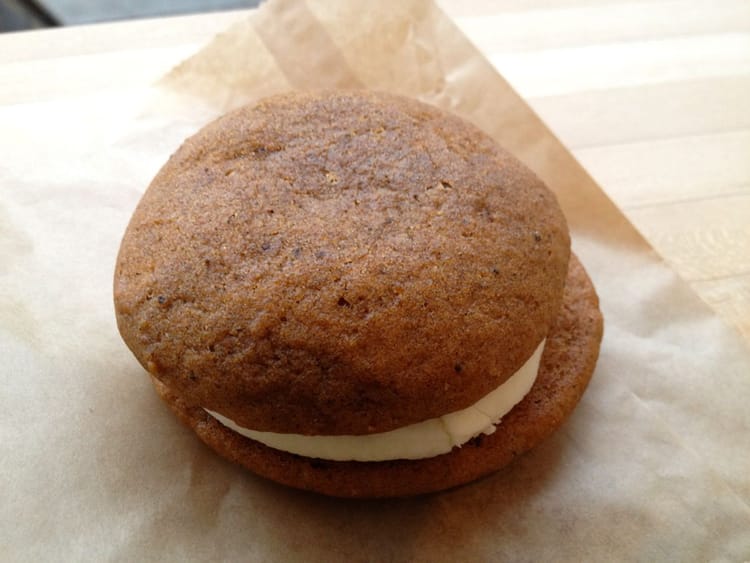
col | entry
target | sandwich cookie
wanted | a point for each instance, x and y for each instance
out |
(358, 294)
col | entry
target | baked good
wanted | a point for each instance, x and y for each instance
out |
(363, 281)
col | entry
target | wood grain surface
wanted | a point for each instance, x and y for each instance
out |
(653, 97)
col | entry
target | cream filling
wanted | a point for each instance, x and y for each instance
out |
(424, 439)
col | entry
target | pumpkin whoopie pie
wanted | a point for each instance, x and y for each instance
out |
(358, 294)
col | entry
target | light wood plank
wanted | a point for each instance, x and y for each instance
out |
(86, 74)
(481, 8)
(107, 37)
(704, 240)
(588, 24)
(665, 171)
(655, 111)
(556, 72)
(708, 243)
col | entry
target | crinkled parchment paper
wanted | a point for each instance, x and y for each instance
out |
(653, 465)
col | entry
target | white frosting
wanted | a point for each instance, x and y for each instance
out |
(424, 439)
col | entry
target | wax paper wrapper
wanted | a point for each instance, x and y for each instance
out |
(653, 465)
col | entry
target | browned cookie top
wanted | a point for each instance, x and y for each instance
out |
(339, 263)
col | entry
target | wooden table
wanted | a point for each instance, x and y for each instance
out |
(653, 97)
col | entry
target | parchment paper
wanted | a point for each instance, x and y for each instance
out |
(653, 465)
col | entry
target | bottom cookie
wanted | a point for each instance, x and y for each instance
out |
(568, 361)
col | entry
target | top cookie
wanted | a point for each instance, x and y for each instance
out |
(339, 263)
